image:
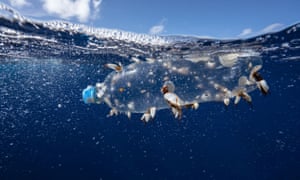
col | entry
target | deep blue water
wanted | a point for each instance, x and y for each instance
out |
(47, 132)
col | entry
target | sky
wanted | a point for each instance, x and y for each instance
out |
(203, 18)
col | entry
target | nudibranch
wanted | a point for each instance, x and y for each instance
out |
(148, 86)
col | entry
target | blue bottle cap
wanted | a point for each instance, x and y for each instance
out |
(89, 95)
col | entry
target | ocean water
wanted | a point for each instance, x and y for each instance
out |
(47, 132)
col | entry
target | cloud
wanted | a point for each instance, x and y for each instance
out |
(96, 6)
(157, 29)
(96, 3)
(245, 32)
(18, 3)
(272, 28)
(80, 9)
